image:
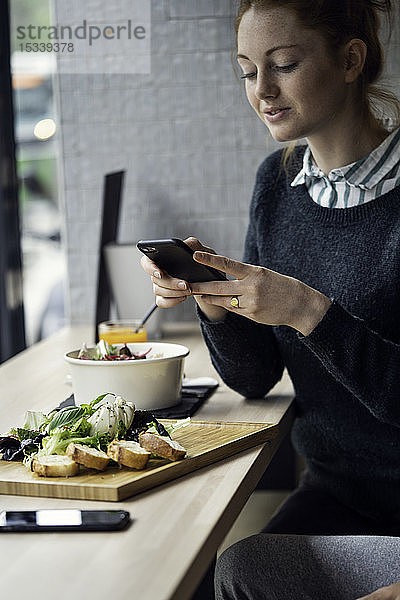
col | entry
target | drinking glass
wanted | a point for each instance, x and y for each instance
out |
(121, 331)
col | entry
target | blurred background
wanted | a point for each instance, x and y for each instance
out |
(189, 143)
(184, 133)
(37, 153)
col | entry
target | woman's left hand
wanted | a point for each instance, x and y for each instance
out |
(390, 592)
(264, 295)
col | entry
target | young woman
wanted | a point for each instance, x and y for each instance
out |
(318, 290)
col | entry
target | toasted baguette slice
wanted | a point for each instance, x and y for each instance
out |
(162, 446)
(55, 465)
(89, 457)
(127, 453)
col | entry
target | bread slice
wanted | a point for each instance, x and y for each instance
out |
(55, 465)
(129, 454)
(89, 457)
(162, 446)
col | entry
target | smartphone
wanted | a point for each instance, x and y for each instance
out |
(176, 258)
(63, 520)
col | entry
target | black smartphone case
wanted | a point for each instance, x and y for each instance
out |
(176, 258)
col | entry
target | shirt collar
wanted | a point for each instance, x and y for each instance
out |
(365, 173)
(309, 169)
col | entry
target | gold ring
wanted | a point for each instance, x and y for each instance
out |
(234, 302)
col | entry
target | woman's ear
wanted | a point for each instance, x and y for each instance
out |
(355, 53)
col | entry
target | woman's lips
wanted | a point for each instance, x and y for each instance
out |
(275, 114)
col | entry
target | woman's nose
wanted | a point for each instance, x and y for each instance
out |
(266, 87)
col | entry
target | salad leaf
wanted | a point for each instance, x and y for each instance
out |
(97, 352)
(121, 431)
(81, 427)
(57, 442)
(105, 351)
(9, 446)
(52, 443)
(65, 417)
(142, 420)
(104, 348)
(180, 423)
(171, 428)
(14, 449)
(73, 414)
(25, 434)
(90, 408)
(34, 420)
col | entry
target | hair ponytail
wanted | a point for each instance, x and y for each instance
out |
(381, 101)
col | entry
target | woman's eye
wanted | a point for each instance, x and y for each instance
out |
(248, 75)
(286, 68)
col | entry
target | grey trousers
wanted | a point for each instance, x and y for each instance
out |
(301, 567)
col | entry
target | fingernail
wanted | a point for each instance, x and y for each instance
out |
(182, 285)
(157, 274)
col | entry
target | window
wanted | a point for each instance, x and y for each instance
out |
(33, 71)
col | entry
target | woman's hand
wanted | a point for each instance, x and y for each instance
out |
(264, 295)
(170, 291)
(390, 592)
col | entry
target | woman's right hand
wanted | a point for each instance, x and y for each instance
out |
(170, 291)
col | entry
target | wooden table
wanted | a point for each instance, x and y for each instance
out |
(177, 526)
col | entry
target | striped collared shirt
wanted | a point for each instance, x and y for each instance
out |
(357, 183)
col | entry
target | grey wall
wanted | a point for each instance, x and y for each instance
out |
(185, 134)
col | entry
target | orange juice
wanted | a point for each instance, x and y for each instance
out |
(121, 332)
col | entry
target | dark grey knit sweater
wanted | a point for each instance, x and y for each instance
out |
(346, 373)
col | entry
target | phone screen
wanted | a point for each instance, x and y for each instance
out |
(63, 520)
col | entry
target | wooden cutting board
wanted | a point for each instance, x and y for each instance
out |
(205, 441)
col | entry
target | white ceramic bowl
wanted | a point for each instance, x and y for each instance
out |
(150, 383)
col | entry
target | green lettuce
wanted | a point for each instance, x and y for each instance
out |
(70, 416)
(57, 442)
(81, 427)
(34, 420)
(170, 428)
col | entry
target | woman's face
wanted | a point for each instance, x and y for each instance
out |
(295, 86)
